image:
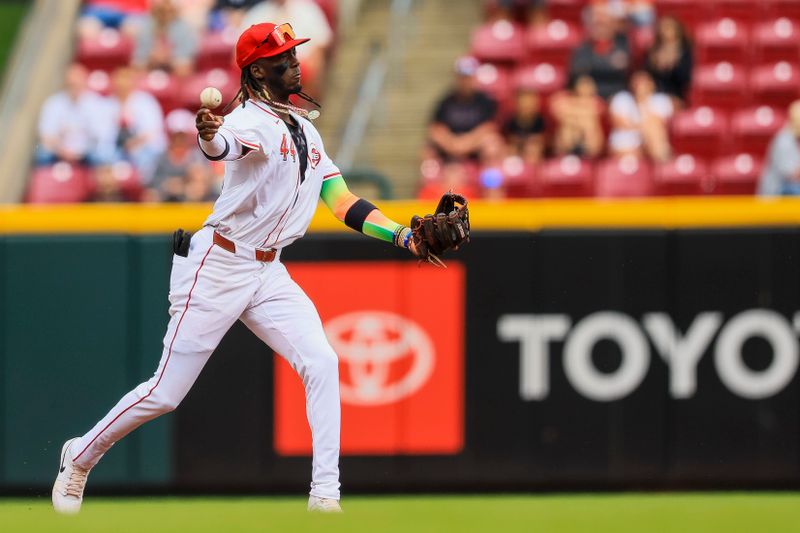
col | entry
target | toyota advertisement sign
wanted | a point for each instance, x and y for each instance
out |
(546, 360)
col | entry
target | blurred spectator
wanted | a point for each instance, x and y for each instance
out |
(454, 177)
(164, 40)
(525, 129)
(604, 55)
(199, 184)
(639, 120)
(230, 13)
(532, 11)
(308, 21)
(577, 113)
(781, 174)
(182, 152)
(97, 14)
(139, 123)
(463, 119)
(72, 123)
(107, 186)
(669, 61)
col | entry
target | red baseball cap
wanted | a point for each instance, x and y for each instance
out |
(264, 40)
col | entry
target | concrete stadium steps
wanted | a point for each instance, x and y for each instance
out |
(438, 33)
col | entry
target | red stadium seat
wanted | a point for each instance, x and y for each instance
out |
(722, 40)
(128, 180)
(216, 51)
(111, 49)
(553, 42)
(753, 128)
(683, 175)
(736, 174)
(777, 40)
(742, 10)
(569, 10)
(700, 131)
(689, 12)
(499, 42)
(781, 8)
(164, 87)
(520, 178)
(60, 183)
(565, 176)
(626, 176)
(225, 80)
(721, 85)
(495, 81)
(776, 84)
(544, 78)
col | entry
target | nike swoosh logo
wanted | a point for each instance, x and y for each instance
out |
(63, 456)
(62, 469)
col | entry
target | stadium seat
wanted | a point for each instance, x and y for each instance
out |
(60, 183)
(164, 87)
(553, 42)
(565, 176)
(721, 85)
(689, 12)
(776, 84)
(781, 8)
(544, 78)
(224, 80)
(683, 175)
(753, 128)
(721, 40)
(520, 178)
(736, 174)
(626, 176)
(496, 81)
(741, 10)
(569, 10)
(216, 51)
(128, 179)
(499, 42)
(777, 40)
(111, 49)
(700, 131)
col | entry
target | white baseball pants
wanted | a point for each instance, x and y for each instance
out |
(209, 290)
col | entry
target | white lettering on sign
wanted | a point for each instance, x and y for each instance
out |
(682, 352)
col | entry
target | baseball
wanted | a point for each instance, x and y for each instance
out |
(210, 97)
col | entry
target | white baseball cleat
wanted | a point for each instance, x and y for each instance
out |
(323, 505)
(70, 482)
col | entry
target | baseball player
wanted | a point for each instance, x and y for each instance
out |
(276, 170)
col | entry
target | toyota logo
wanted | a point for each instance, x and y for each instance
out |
(386, 356)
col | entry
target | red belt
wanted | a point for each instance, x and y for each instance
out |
(265, 256)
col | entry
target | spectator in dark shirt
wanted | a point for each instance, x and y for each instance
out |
(525, 129)
(669, 61)
(604, 56)
(165, 40)
(464, 118)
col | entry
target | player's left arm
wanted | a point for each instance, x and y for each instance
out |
(361, 215)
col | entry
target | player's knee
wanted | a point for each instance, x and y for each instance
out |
(164, 403)
(326, 364)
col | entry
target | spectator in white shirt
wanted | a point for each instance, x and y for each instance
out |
(165, 40)
(307, 20)
(72, 122)
(639, 120)
(139, 133)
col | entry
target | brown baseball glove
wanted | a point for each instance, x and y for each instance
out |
(447, 229)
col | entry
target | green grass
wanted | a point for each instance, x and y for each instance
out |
(11, 14)
(617, 513)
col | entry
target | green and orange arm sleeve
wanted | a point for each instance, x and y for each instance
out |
(361, 215)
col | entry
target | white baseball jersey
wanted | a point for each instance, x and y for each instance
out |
(265, 202)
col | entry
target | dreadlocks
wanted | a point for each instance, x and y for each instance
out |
(250, 86)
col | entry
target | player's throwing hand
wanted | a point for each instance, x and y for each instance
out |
(207, 123)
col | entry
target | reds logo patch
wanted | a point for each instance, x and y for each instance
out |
(314, 156)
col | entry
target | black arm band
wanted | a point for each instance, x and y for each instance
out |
(358, 213)
(219, 157)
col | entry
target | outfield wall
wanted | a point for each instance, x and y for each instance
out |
(569, 345)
